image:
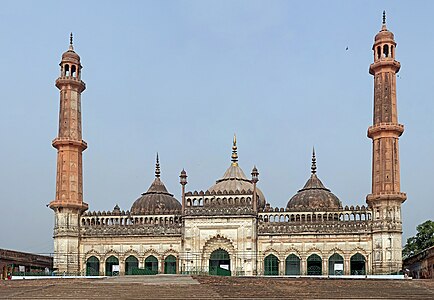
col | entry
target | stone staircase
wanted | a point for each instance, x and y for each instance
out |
(214, 287)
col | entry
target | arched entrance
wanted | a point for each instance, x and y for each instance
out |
(151, 265)
(271, 265)
(220, 263)
(358, 264)
(170, 265)
(109, 263)
(131, 265)
(314, 265)
(336, 265)
(92, 266)
(292, 265)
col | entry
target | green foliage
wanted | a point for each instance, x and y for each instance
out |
(423, 239)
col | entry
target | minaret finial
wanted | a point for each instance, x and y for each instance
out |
(384, 17)
(71, 46)
(157, 168)
(313, 168)
(234, 152)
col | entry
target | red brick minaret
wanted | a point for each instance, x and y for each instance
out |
(68, 204)
(386, 197)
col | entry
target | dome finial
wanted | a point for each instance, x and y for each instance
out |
(71, 47)
(384, 17)
(234, 152)
(157, 168)
(313, 168)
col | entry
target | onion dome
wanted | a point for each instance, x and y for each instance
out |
(384, 34)
(70, 55)
(157, 199)
(234, 179)
(314, 195)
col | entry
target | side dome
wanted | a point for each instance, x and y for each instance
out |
(314, 195)
(234, 180)
(156, 199)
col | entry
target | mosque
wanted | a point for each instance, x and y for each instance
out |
(230, 228)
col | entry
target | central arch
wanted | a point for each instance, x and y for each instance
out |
(220, 263)
(314, 265)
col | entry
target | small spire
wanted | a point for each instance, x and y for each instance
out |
(234, 152)
(157, 168)
(313, 168)
(384, 17)
(71, 47)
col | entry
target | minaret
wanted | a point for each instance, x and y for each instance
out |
(68, 204)
(386, 197)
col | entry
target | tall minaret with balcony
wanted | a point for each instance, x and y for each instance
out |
(386, 197)
(68, 204)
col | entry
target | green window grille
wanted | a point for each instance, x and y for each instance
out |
(358, 264)
(334, 261)
(314, 265)
(109, 263)
(92, 266)
(292, 265)
(170, 265)
(271, 265)
(131, 264)
(151, 264)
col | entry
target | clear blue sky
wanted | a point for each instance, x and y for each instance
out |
(180, 77)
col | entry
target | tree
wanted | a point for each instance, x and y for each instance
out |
(424, 239)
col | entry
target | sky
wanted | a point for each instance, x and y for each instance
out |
(181, 77)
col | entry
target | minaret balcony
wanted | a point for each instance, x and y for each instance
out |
(384, 63)
(57, 142)
(71, 80)
(385, 130)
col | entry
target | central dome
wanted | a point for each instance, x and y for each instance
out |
(314, 195)
(235, 180)
(157, 199)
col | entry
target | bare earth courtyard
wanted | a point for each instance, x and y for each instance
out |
(213, 287)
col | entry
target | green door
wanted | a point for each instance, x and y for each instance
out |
(131, 265)
(92, 266)
(358, 263)
(336, 265)
(314, 265)
(271, 265)
(220, 263)
(170, 265)
(151, 265)
(292, 265)
(109, 263)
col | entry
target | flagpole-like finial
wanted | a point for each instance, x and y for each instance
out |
(157, 168)
(384, 17)
(71, 46)
(313, 168)
(234, 152)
